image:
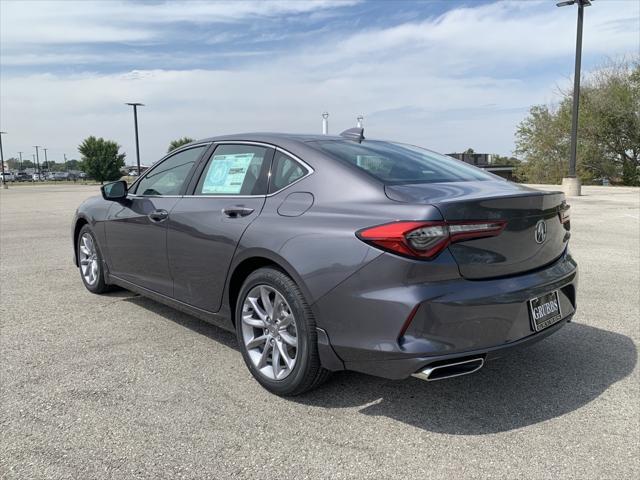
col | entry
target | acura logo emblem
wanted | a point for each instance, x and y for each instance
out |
(541, 231)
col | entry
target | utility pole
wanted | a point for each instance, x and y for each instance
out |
(21, 164)
(65, 161)
(37, 161)
(571, 183)
(46, 160)
(4, 181)
(135, 122)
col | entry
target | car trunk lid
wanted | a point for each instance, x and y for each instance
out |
(522, 246)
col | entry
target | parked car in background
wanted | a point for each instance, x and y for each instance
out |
(9, 177)
(23, 177)
(327, 253)
(59, 176)
(36, 177)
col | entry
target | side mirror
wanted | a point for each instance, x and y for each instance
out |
(115, 191)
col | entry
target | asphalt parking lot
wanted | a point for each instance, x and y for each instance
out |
(118, 386)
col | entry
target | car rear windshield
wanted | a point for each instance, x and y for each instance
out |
(395, 163)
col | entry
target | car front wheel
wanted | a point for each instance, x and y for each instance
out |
(277, 334)
(90, 262)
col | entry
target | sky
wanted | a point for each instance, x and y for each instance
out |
(444, 74)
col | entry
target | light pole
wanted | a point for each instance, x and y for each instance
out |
(359, 120)
(135, 122)
(571, 184)
(21, 164)
(46, 160)
(4, 182)
(37, 161)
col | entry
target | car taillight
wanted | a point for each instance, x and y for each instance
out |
(426, 239)
(565, 216)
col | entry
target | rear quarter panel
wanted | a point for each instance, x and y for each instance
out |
(319, 245)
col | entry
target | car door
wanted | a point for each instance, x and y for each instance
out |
(136, 229)
(205, 227)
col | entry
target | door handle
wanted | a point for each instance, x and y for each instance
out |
(237, 211)
(158, 216)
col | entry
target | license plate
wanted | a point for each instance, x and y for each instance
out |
(545, 310)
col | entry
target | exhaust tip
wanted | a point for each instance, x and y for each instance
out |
(450, 370)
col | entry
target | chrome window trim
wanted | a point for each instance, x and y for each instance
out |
(295, 158)
(132, 195)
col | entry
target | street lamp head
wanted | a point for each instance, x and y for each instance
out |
(135, 104)
(583, 3)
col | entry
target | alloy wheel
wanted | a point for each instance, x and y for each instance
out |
(269, 332)
(88, 259)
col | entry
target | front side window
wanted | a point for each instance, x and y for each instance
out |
(168, 177)
(394, 163)
(285, 171)
(236, 170)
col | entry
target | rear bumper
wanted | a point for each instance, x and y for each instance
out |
(452, 317)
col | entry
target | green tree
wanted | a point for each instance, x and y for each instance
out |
(608, 131)
(13, 163)
(57, 167)
(178, 143)
(612, 121)
(541, 139)
(101, 159)
(73, 164)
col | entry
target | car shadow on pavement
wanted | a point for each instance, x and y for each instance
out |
(215, 333)
(549, 379)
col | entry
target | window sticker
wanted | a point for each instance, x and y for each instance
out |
(226, 173)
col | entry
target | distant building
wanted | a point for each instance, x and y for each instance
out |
(483, 160)
(477, 159)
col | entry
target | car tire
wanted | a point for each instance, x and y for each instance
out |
(91, 272)
(291, 318)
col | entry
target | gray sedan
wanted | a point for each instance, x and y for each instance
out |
(328, 253)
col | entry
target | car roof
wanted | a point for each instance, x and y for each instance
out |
(273, 137)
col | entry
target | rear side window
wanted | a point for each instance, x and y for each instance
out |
(236, 170)
(284, 172)
(167, 177)
(395, 163)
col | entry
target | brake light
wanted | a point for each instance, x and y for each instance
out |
(565, 216)
(426, 239)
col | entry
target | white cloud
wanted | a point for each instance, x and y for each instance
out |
(507, 33)
(448, 83)
(85, 21)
